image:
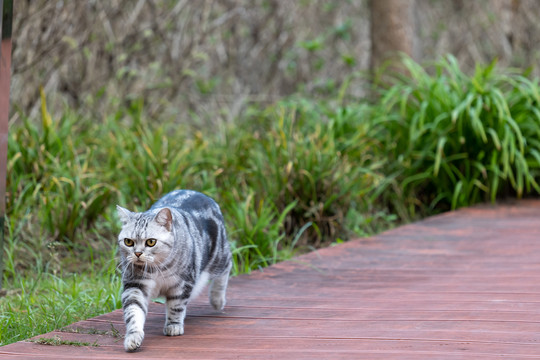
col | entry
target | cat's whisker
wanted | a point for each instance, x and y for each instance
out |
(160, 272)
(146, 266)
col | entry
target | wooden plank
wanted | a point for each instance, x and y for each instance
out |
(459, 285)
(286, 346)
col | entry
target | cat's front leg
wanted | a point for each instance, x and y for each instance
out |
(135, 306)
(177, 301)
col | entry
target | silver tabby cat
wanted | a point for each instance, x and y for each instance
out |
(171, 250)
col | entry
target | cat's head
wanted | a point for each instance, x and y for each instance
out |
(146, 238)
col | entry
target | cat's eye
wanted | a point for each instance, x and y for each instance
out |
(151, 242)
(129, 242)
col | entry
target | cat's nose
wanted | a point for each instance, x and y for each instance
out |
(138, 254)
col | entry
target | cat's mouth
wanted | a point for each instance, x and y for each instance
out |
(141, 261)
(138, 260)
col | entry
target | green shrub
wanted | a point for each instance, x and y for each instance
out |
(317, 157)
(454, 140)
(52, 176)
(287, 177)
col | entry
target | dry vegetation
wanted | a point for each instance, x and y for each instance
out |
(209, 59)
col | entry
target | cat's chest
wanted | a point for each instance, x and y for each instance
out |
(163, 283)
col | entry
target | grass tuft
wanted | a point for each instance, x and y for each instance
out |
(57, 341)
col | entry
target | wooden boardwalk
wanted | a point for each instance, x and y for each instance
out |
(462, 285)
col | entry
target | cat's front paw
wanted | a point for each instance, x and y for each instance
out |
(173, 330)
(133, 340)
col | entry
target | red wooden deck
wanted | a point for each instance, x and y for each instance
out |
(462, 285)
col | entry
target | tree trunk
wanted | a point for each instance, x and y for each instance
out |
(505, 12)
(392, 31)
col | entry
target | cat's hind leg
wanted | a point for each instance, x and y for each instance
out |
(218, 290)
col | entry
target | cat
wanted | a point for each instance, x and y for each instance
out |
(171, 250)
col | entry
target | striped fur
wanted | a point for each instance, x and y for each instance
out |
(190, 249)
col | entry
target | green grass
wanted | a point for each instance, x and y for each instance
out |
(36, 305)
(291, 177)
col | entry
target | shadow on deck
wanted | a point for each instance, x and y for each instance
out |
(464, 284)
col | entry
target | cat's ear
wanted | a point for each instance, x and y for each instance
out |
(164, 218)
(123, 214)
